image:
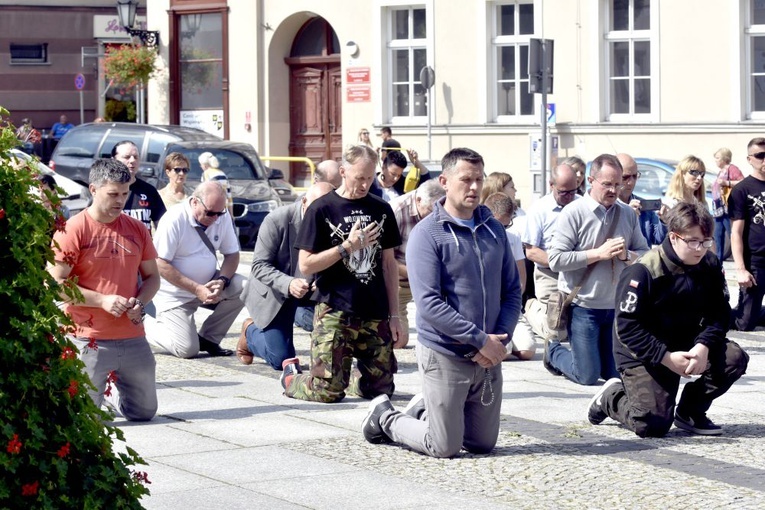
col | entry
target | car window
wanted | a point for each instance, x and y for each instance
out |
(82, 143)
(116, 136)
(653, 180)
(157, 144)
(233, 164)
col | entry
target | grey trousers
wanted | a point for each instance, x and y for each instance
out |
(462, 403)
(175, 330)
(133, 363)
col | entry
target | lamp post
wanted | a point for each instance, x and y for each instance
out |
(126, 12)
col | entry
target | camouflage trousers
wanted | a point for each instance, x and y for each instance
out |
(645, 402)
(337, 338)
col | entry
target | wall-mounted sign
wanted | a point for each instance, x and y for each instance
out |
(358, 93)
(210, 121)
(108, 27)
(357, 75)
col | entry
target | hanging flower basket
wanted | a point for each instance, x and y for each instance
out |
(130, 65)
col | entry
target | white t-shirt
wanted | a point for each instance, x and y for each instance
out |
(178, 242)
(516, 246)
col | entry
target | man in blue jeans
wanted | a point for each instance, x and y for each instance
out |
(581, 239)
(276, 289)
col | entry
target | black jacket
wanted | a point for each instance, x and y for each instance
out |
(663, 305)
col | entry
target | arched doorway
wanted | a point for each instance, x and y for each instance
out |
(315, 97)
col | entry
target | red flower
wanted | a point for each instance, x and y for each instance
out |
(14, 445)
(2, 214)
(60, 224)
(141, 476)
(51, 338)
(30, 489)
(92, 344)
(74, 386)
(69, 258)
(68, 353)
(111, 378)
(63, 451)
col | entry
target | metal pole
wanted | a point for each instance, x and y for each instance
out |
(82, 109)
(429, 136)
(543, 118)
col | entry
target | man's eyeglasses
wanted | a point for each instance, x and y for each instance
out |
(608, 185)
(758, 155)
(697, 173)
(208, 212)
(565, 192)
(181, 170)
(694, 244)
(632, 177)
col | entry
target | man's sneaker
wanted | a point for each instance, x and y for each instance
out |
(416, 406)
(595, 412)
(546, 360)
(697, 425)
(370, 427)
(290, 368)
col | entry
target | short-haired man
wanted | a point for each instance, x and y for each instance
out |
(468, 299)
(60, 128)
(671, 319)
(409, 209)
(581, 239)
(144, 202)
(347, 240)
(328, 171)
(106, 250)
(746, 208)
(387, 142)
(652, 228)
(537, 237)
(187, 241)
(276, 288)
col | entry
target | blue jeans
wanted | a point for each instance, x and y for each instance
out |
(274, 343)
(722, 225)
(304, 317)
(591, 355)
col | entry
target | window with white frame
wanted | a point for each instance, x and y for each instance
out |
(756, 61)
(407, 55)
(629, 47)
(512, 27)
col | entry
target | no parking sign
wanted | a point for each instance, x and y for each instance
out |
(79, 81)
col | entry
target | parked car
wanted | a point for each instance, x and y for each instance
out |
(74, 196)
(85, 143)
(256, 190)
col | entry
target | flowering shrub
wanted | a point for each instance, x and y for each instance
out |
(130, 65)
(56, 451)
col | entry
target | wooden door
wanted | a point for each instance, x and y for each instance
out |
(315, 115)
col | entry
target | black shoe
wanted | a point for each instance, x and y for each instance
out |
(213, 349)
(595, 412)
(546, 360)
(697, 425)
(370, 427)
(416, 407)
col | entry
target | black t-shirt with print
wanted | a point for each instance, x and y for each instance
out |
(747, 202)
(144, 203)
(354, 285)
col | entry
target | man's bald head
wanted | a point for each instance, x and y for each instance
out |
(328, 171)
(210, 189)
(629, 176)
(318, 190)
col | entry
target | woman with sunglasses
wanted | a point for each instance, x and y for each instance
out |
(364, 138)
(177, 170)
(687, 183)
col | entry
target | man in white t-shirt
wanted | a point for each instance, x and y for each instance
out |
(186, 240)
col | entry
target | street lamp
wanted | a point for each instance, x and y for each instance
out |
(126, 12)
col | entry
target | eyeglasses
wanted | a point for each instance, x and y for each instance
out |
(181, 170)
(695, 244)
(565, 192)
(632, 177)
(609, 185)
(208, 212)
(365, 132)
(697, 173)
(758, 155)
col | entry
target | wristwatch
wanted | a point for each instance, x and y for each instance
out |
(226, 281)
(343, 252)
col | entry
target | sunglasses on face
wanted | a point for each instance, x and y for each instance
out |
(758, 155)
(208, 212)
(697, 173)
(365, 133)
(565, 192)
(633, 177)
(181, 170)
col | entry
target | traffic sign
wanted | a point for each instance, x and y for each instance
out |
(79, 81)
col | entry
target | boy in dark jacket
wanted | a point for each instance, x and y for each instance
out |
(671, 319)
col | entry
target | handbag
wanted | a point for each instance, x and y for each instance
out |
(559, 302)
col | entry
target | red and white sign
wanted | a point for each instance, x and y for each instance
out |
(357, 75)
(358, 93)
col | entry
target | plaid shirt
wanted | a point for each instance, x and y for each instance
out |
(405, 212)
